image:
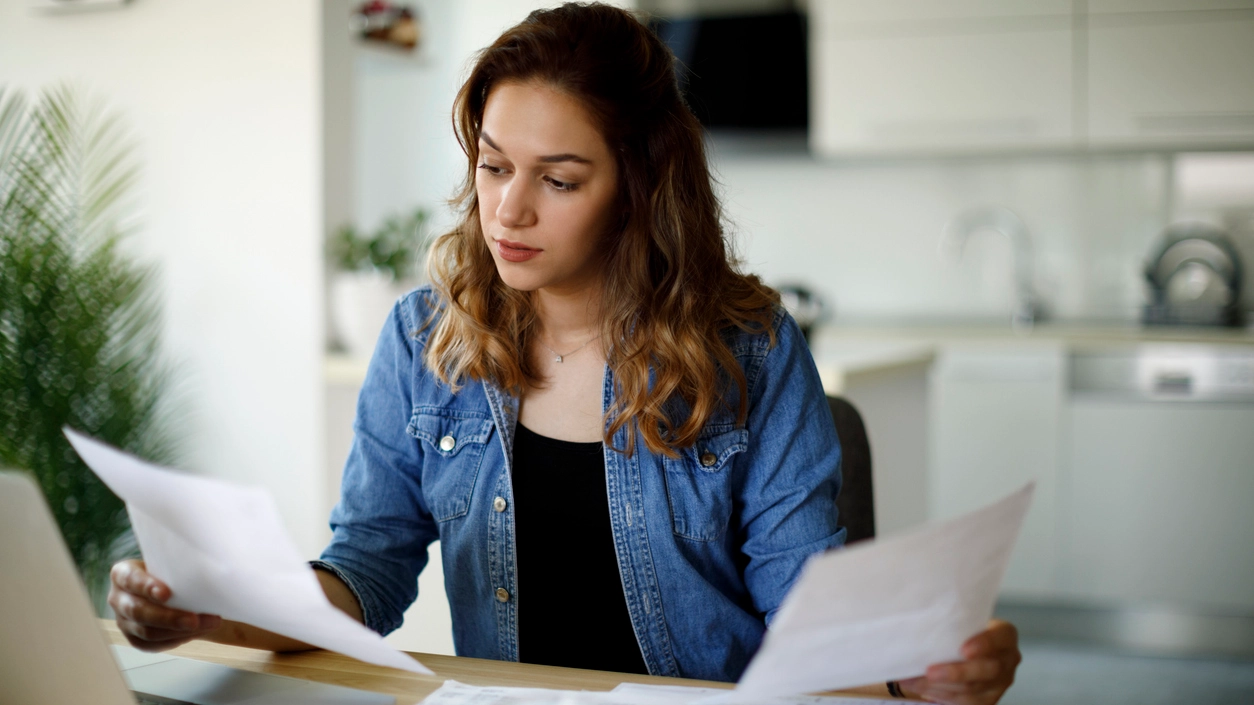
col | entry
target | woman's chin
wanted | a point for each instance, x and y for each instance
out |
(522, 277)
(519, 281)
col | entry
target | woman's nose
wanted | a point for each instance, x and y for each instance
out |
(516, 209)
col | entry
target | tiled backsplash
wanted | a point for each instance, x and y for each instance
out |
(867, 235)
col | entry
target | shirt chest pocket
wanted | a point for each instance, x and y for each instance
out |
(698, 484)
(453, 444)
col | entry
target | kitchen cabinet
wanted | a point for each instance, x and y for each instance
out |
(1142, 456)
(896, 77)
(1158, 478)
(994, 425)
(1160, 522)
(887, 383)
(891, 77)
(1139, 440)
(1175, 74)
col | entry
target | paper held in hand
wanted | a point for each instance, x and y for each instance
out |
(223, 550)
(888, 608)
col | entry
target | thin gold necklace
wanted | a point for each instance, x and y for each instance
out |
(557, 357)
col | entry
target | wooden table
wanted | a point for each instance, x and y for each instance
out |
(336, 669)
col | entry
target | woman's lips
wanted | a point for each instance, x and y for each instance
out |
(515, 251)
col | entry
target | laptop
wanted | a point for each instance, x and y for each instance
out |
(52, 649)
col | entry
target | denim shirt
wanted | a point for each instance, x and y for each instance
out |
(707, 543)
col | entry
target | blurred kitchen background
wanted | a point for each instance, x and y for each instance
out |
(1019, 229)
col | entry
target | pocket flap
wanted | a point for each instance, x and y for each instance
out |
(447, 431)
(711, 452)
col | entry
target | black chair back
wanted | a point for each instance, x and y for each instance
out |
(856, 500)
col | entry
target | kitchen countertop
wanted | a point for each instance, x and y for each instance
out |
(847, 351)
(1069, 332)
(344, 369)
(842, 362)
(854, 352)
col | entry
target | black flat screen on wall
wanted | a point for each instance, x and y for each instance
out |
(743, 72)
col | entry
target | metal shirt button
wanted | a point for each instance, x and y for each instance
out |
(708, 458)
(447, 443)
(499, 504)
(502, 595)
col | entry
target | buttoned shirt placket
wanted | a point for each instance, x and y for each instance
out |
(502, 553)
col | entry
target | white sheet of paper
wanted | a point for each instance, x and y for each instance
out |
(642, 694)
(223, 550)
(454, 693)
(888, 608)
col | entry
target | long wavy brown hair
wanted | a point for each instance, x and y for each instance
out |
(671, 289)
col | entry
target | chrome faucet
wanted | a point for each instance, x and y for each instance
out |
(1028, 309)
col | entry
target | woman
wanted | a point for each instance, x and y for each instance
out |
(620, 441)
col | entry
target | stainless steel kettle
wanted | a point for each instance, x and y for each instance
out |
(1195, 278)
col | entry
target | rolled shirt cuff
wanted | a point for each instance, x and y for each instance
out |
(368, 614)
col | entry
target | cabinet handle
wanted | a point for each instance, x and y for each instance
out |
(1173, 383)
(1219, 123)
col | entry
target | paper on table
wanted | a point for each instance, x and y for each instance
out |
(642, 694)
(454, 693)
(887, 609)
(222, 550)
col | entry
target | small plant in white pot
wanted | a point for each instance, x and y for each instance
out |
(370, 273)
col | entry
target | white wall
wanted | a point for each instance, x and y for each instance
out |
(867, 235)
(223, 98)
(406, 155)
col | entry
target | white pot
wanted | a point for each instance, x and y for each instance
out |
(360, 303)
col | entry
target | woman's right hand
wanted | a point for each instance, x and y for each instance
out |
(137, 599)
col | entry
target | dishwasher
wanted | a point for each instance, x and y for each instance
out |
(1158, 491)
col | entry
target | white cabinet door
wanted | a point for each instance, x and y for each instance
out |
(1180, 76)
(994, 426)
(893, 77)
(428, 625)
(1158, 499)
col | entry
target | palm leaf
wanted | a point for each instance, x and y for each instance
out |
(79, 321)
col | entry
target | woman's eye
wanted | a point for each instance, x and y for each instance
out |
(562, 185)
(493, 170)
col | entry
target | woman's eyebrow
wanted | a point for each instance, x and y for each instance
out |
(547, 159)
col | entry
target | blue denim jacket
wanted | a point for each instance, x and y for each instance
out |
(707, 544)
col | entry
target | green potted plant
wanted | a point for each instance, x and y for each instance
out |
(370, 272)
(79, 319)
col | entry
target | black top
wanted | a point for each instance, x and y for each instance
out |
(571, 609)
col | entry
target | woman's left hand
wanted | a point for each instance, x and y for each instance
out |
(988, 669)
